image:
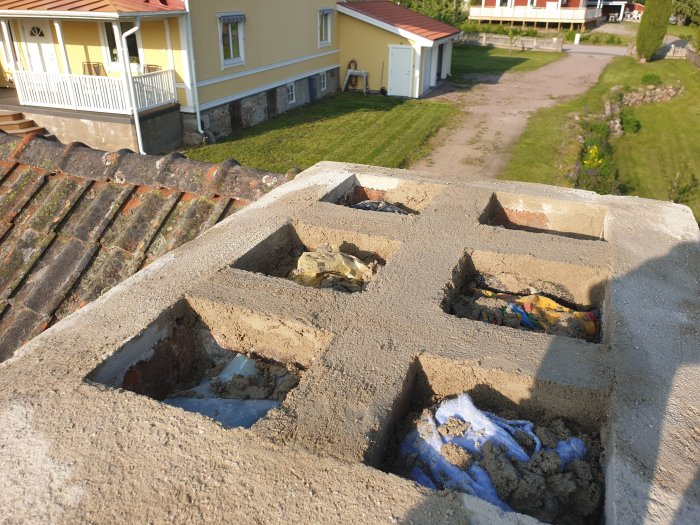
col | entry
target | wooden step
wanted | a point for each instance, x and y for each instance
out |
(16, 124)
(8, 116)
(26, 131)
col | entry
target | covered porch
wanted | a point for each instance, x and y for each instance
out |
(95, 93)
(122, 66)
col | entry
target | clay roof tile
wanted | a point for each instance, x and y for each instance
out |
(75, 221)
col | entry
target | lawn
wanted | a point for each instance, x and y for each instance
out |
(684, 32)
(366, 129)
(475, 59)
(648, 161)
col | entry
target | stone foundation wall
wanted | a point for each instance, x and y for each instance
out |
(222, 121)
(162, 130)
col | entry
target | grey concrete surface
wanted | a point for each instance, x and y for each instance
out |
(77, 450)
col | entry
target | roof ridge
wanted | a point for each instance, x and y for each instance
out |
(172, 171)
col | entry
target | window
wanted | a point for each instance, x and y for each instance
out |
(324, 27)
(322, 81)
(36, 31)
(291, 93)
(131, 43)
(231, 38)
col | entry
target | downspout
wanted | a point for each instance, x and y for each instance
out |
(193, 72)
(130, 81)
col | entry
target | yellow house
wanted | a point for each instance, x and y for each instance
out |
(399, 51)
(149, 75)
(144, 74)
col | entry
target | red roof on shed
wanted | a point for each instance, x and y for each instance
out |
(403, 18)
(101, 6)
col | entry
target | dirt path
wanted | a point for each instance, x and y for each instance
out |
(495, 111)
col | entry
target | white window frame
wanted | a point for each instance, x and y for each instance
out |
(323, 81)
(106, 55)
(291, 93)
(231, 62)
(321, 17)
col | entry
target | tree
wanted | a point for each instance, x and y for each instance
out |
(652, 29)
(687, 10)
(449, 11)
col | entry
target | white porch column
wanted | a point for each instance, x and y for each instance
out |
(169, 43)
(483, 4)
(62, 46)
(416, 71)
(446, 59)
(433, 66)
(66, 65)
(187, 73)
(622, 12)
(7, 42)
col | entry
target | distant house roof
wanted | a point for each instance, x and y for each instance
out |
(75, 221)
(384, 13)
(93, 6)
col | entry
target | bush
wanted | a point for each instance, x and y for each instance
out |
(630, 122)
(613, 39)
(652, 28)
(651, 79)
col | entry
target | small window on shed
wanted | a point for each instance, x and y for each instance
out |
(291, 93)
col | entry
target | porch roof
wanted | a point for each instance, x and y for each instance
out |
(89, 8)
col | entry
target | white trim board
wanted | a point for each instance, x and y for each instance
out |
(420, 40)
(268, 67)
(264, 87)
(83, 15)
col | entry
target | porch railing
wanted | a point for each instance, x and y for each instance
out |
(551, 13)
(94, 93)
(155, 89)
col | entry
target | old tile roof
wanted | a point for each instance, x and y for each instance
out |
(94, 6)
(402, 18)
(75, 222)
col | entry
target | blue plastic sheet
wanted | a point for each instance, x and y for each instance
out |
(433, 470)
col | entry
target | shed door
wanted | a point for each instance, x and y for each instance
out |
(400, 70)
(40, 46)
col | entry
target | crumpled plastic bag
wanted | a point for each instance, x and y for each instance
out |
(433, 470)
(378, 206)
(331, 269)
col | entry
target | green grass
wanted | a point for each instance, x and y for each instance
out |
(382, 131)
(648, 160)
(474, 59)
(605, 39)
(684, 32)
